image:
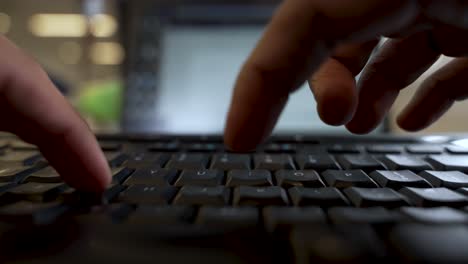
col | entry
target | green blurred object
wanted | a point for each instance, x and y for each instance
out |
(102, 101)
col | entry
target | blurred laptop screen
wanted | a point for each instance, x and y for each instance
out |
(198, 69)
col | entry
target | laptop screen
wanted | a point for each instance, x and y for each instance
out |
(198, 68)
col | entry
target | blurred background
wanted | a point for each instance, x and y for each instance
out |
(161, 66)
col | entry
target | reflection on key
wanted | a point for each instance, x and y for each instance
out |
(249, 178)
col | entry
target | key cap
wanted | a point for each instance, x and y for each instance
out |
(255, 196)
(144, 194)
(273, 162)
(36, 192)
(370, 197)
(144, 159)
(249, 178)
(280, 148)
(115, 159)
(21, 145)
(405, 162)
(110, 145)
(200, 195)
(291, 178)
(152, 177)
(28, 212)
(316, 162)
(399, 179)
(448, 179)
(457, 150)
(435, 215)
(363, 162)
(434, 197)
(200, 178)
(324, 197)
(430, 244)
(344, 179)
(4, 186)
(278, 217)
(463, 191)
(45, 175)
(385, 149)
(371, 215)
(447, 162)
(228, 216)
(202, 147)
(188, 161)
(228, 161)
(10, 173)
(86, 199)
(167, 215)
(28, 158)
(425, 149)
(120, 174)
(343, 149)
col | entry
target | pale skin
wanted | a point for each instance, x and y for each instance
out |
(325, 42)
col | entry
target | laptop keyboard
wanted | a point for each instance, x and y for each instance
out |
(400, 190)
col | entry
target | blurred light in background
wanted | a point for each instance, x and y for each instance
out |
(70, 52)
(103, 26)
(58, 25)
(107, 53)
(5, 23)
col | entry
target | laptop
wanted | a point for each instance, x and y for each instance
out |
(310, 194)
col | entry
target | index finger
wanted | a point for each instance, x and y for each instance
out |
(32, 108)
(299, 38)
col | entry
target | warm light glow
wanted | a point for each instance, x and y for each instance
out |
(5, 23)
(58, 25)
(107, 53)
(103, 26)
(70, 52)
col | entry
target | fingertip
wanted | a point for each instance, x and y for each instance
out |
(337, 109)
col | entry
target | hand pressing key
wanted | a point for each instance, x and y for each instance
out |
(329, 42)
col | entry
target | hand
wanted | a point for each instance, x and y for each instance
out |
(329, 42)
(32, 108)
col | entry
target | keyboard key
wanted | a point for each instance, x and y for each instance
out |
(21, 145)
(188, 161)
(228, 161)
(152, 177)
(110, 145)
(430, 243)
(316, 162)
(425, 149)
(228, 216)
(277, 217)
(363, 162)
(45, 175)
(200, 178)
(143, 194)
(202, 147)
(249, 178)
(436, 215)
(115, 159)
(164, 147)
(291, 178)
(255, 196)
(280, 148)
(371, 215)
(343, 149)
(86, 199)
(36, 192)
(399, 179)
(9, 173)
(163, 215)
(138, 160)
(273, 162)
(385, 149)
(448, 179)
(28, 212)
(28, 158)
(457, 150)
(405, 162)
(447, 162)
(200, 195)
(344, 179)
(434, 197)
(463, 191)
(370, 197)
(324, 197)
(120, 174)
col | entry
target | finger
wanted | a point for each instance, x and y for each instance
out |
(450, 41)
(396, 65)
(32, 108)
(334, 85)
(300, 36)
(436, 95)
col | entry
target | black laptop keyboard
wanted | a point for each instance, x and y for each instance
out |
(392, 194)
